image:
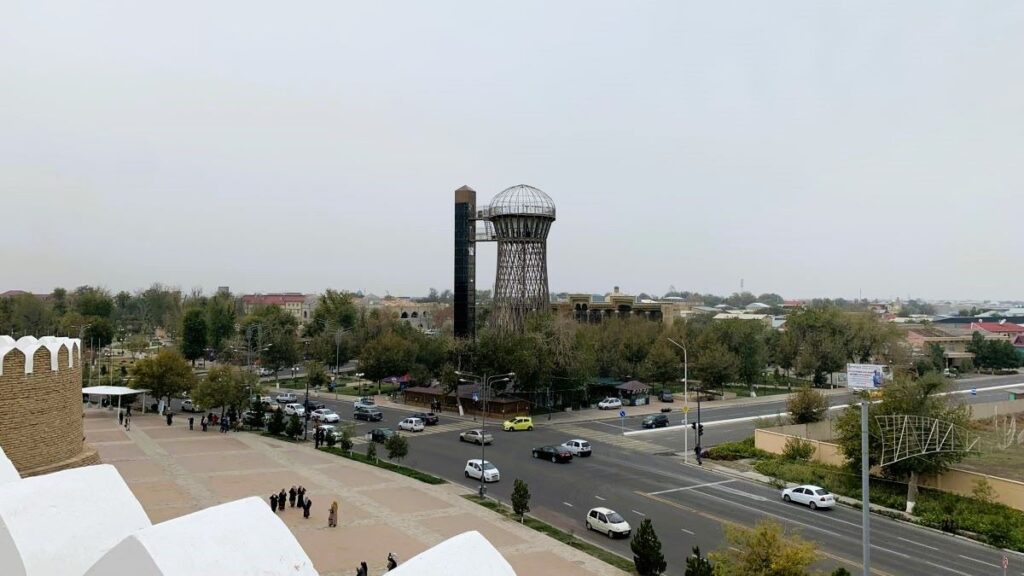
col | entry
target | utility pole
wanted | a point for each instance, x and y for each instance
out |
(686, 403)
(865, 489)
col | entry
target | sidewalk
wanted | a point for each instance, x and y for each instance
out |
(174, 471)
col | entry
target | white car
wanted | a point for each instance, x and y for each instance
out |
(609, 404)
(189, 406)
(295, 409)
(325, 415)
(476, 437)
(607, 522)
(330, 431)
(364, 402)
(813, 496)
(411, 424)
(286, 398)
(578, 447)
(474, 469)
(265, 372)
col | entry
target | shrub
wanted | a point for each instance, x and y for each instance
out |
(520, 498)
(294, 427)
(276, 424)
(646, 547)
(807, 406)
(331, 440)
(397, 447)
(736, 450)
(346, 439)
(371, 451)
(798, 449)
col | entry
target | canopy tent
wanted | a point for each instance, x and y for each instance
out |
(116, 391)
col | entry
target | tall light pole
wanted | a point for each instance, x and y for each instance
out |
(485, 386)
(686, 402)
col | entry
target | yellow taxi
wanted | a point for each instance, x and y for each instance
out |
(518, 423)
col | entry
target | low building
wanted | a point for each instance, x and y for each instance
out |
(417, 314)
(592, 309)
(766, 319)
(954, 346)
(1001, 330)
(299, 305)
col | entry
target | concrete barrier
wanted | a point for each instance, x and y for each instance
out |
(775, 443)
(990, 409)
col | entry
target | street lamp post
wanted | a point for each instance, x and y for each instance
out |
(485, 385)
(686, 403)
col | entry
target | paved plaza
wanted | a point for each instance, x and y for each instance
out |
(174, 471)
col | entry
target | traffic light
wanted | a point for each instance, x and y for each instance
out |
(698, 427)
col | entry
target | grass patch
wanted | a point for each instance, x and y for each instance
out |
(560, 535)
(397, 468)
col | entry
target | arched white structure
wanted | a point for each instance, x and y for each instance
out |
(8, 473)
(60, 524)
(468, 554)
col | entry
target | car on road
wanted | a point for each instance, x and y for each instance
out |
(607, 521)
(578, 447)
(476, 468)
(429, 418)
(476, 437)
(381, 434)
(286, 398)
(553, 453)
(667, 396)
(812, 496)
(368, 414)
(518, 423)
(411, 424)
(325, 415)
(189, 406)
(329, 430)
(655, 421)
(609, 404)
(295, 409)
(365, 402)
(265, 372)
(264, 399)
(312, 406)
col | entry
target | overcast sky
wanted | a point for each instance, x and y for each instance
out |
(809, 148)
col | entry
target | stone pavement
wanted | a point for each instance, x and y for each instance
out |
(174, 471)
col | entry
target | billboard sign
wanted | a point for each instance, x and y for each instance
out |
(865, 376)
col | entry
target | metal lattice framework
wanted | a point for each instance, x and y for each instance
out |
(521, 217)
(909, 436)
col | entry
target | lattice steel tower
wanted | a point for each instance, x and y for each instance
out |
(521, 217)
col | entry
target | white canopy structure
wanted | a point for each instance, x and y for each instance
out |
(60, 524)
(8, 473)
(467, 553)
(116, 391)
(243, 538)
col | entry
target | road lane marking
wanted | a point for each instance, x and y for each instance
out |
(934, 565)
(619, 428)
(891, 551)
(567, 504)
(918, 543)
(599, 498)
(689, 487)
(639, 513)
(979, 561)
(738, 493)
(688, 532)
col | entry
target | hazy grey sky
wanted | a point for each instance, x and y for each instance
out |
(811, 148)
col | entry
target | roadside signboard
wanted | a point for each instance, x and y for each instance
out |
(622, 413)
(865, 376)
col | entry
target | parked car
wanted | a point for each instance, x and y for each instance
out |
(365, 402)
(312, 406)
(429, 418)
(411, 424)
(518, 423)
(813, 496)
(609, 404)
(295, 409)
(325, 415)
(368, 414)
(249, 418)
(655, 421)
(329, 430)
(477, 468)
(476, 437)
(381, 434)
(189, 406)
(286, 398)
(553, 453)
(667, 396)
(265, 372)
(607, 521)
(266, 400)
(578, 447)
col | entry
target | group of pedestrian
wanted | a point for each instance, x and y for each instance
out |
(320, 437)
(296, 497)
(363, 570)
(435, 406)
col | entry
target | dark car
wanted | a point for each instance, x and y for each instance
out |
(655, 421)
(310, 406)
(667, 396)
(381, 434)
(553, 453)
(368, 414)
(429, 418)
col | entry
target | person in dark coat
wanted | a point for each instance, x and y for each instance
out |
(169, 417)
(305, 507)
(273, 502)
(362, 570)
(203, 423)
(191, 420)
(120, 418)
(291, 496)
(280, 499)
(302, 495)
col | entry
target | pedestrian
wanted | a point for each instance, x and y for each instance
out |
(273, 502)
(291, 496)
(169, 416)
(300, 492)
(127, 423)
(362, 570)
(129, 413)
(203, 423)
(280, 500)
(120, 418)
(305, 507)
(392, 561)
(332, 516)
(191, 419)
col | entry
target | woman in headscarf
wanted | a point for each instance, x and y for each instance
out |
(332, 516)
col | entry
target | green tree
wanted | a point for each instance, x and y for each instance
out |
(371, 451)
(225, 387)
(387, 355)
(164, 374)
(767, 549)
(28, 314)
(294, 427)
(937, 355)
(904, 397)
(99, 332)
(276, 425)
(346, 439)
(193, 334)
(662, 364)
(397, 447)
(276, 339)
(257, 416)
(316, 375)
(520, 498)
(334, 310)
(697, 565)
(807, 405)
(91, 301)
(714, 365)
(840, 571)
(220, 319)
(646, 547)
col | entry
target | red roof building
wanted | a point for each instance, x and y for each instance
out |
(1007, 330)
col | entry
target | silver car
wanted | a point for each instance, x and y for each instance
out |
(476, 437)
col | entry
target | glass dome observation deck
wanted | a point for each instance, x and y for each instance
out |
(522, 200)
